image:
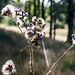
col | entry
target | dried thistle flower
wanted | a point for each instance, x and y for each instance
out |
(26, 14)
(73, 35)
(34, 19)
(73, 39)
(23, 11)
(8, 67)
(8, 10)
(35, 28)
(17, 10)
(40, 22)
(35, 31)
(29, 34)
(37, 44)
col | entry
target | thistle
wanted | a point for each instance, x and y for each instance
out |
(33, 35)
(8, 68)
(34, 32)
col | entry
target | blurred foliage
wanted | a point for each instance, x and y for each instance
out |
(69, 63)
(29, 7)
(60, 24)
(57, 12)
(7, 21)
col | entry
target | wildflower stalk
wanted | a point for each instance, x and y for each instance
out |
(30, 47)
(19, 28)
(35, 30)
(31, 60)
(24, 48)
(50, 70)
(10, 73)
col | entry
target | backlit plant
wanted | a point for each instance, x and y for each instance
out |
(33, 35)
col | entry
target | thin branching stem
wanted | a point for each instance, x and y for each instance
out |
(31, 60)
(30, 47)
(10, 73)
(50, 70)
(24, 48)
(19, 29)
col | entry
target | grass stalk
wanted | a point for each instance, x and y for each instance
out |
(24, 48)
(10, 73)
(19, 29)
(30, 47)
(50, 70)
(31, 60)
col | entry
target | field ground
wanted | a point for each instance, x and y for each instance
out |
(11, 42)
(61, 34)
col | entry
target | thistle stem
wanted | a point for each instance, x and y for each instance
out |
(24, 48)
(50, 70)
(31, 60)
(30, 47)
(19, 28)
(10, 73)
